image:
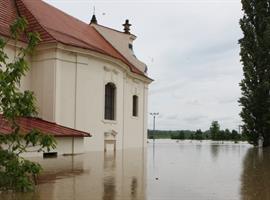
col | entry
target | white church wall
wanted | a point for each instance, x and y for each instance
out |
(145, 125)
(121, 42)
(80, 100)
(43, 83)
(65, 146)
(11, 51)
(65, 92)
(134, 125)
(70, 90)
(91, 103)
(81, 81)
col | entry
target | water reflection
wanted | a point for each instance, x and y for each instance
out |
(184, 170)
(94, 176)
(256, 175)
(62, 167)
(214, 151)
(196, 170)
(109, 189)
(134, 185)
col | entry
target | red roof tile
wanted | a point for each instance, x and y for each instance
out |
(54, 129)
(57, 26)
(8, 15)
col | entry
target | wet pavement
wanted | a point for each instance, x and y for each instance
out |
(166, 170)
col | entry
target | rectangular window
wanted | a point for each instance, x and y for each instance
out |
(135, 106)
(109, 113)
(50, 155)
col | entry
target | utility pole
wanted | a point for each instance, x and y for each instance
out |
(154, 128)
(154, 124)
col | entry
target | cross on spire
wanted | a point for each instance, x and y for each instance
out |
(127, 26)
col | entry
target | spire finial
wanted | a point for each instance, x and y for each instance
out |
(127, 26)
(94, 19)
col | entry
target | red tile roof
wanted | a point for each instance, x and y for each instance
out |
(46, 127)
(8, 14)
(57, 26)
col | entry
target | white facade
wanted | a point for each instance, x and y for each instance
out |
(69, 85)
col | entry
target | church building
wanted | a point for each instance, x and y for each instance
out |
(91, 89)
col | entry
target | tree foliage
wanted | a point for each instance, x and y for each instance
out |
(255, 58)
(214, 133)
(214, 130)
(16, 173)
(198, 135)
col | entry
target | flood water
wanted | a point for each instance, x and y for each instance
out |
(168, 170)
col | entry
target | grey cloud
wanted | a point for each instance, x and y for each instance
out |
(193, 102)
(195, 119)
(166, 86)
(228, 100)
(225, 119)
(172, 117)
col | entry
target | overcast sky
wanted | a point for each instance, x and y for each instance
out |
(192, 52)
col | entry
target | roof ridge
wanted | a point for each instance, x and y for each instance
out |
(33, 16)
(45, 28)
(124, 59)
(76, 39)
(96, 48)
(113, 29)
(16, 7)
(63, 12)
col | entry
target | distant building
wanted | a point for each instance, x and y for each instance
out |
(85, 77)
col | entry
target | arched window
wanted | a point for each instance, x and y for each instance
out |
(109, 113)
(135, 105)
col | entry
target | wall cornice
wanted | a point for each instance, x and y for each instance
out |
(94, 54)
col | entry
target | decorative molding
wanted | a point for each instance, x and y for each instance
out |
(107, 69)
(136, 91)
(110, 135)
(114, 61)
(110, 69)
(136, 81)
(105, 121)
(115, 71)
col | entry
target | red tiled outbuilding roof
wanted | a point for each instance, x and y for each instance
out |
(57, 26)
(46, 127)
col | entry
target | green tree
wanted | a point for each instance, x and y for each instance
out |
(255, 58)
(181, 135)
(227, 135)
(221, 135)
(214, 130)
(16, 173)
(207, 135)
(198, 135)
(235, 136)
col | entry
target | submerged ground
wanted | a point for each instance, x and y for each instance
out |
(168, 170)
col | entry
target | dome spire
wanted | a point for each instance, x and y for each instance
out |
(94, 19)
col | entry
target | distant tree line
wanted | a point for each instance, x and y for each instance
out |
(214, 133)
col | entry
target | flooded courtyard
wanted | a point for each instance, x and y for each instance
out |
(166, 170)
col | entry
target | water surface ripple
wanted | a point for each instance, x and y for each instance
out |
(166, 170)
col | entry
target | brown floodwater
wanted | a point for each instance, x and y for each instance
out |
(168, 170)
